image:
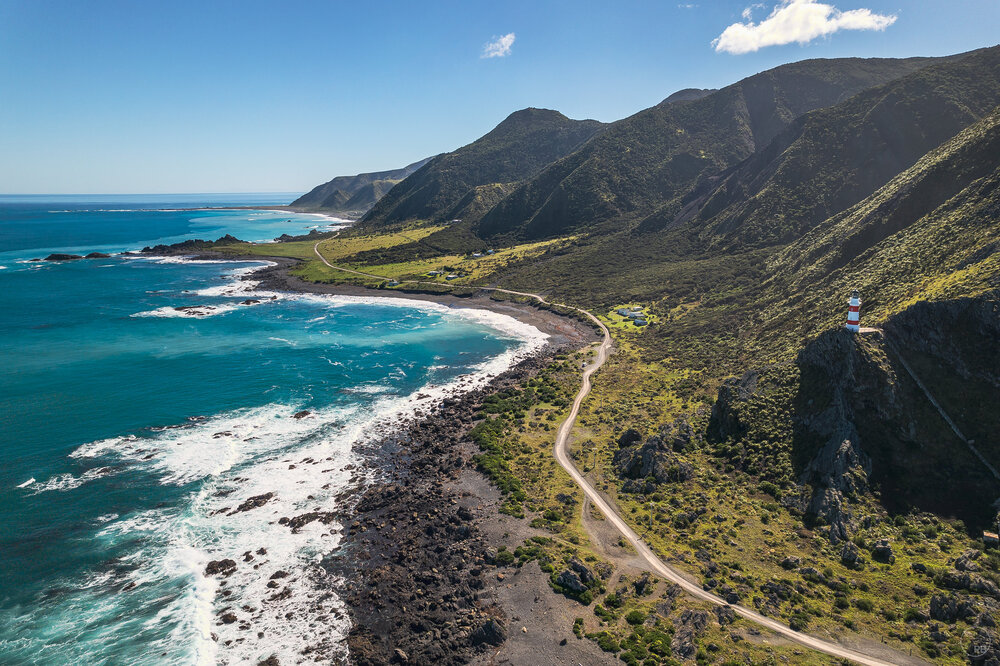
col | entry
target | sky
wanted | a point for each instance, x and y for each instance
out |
(253, 96)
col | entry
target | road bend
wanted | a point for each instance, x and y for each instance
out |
(561, 451)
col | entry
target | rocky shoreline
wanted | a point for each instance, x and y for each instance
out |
(421, 582)
(416, 557)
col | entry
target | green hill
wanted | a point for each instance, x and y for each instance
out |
(352, 196)
(831, 158)
(516, 149)
(639, 163)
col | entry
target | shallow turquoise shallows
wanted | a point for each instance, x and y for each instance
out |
(139, 442)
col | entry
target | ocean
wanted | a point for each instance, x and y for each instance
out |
(139, 442)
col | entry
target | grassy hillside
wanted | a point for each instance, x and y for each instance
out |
(517, 148)
(929, 234)
(648, 159)
(830, 159)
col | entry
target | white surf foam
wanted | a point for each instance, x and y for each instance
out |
(187, 259)
(69, 481)
(26, 483)
(304, 464)
(294, 466)
(239, 286)
(188, 311)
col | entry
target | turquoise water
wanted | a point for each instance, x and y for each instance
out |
(132, 432)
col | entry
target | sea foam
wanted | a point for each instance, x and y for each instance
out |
(244, 471)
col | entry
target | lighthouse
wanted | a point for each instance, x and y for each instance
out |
(854, 312)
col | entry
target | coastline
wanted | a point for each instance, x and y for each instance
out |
(417, 560)
(561, 329)
(416, 563)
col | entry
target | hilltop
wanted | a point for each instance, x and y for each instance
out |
(446, 187)
(353, 196)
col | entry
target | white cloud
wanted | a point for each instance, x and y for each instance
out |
(499, 47)
(748, 12)
(796, 21)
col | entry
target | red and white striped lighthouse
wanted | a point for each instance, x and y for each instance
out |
(854, 312)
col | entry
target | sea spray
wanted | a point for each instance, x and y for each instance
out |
(145, 435)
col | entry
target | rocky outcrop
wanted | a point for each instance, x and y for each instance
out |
(850, 556)
(882, 552)
(220, 567)
(791, 562)
(967, 561)
(59, 256)
(847, 416)
(571, 581)
(952, 607)
(929, 328)
(190, 246)
(688, 627)
(655, 459)
(959, 580)
(252, 503)
(490, 633)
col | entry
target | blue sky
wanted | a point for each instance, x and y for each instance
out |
(100, 96)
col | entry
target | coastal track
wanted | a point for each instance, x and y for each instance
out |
(561, 451)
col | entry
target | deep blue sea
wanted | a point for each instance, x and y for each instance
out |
(131, 432)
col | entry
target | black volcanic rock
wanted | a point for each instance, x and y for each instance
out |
(58, 256)
(223, 567)
(491, 633)
(190, 246)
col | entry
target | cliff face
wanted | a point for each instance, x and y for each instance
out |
(847, 418)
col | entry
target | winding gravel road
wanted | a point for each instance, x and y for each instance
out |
(561, 450)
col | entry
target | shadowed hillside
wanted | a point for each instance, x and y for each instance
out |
(352, 196)
(645, 160)
(830, 159)
(517, 148)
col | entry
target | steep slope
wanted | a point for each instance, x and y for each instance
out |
(517, 148)
(641, 162)
(354, 195)
(847, 417)
(931, 233)
(830, 159)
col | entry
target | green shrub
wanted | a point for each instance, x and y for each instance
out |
(635, 617)
(605, 641)
(505, 557)
(769, 488)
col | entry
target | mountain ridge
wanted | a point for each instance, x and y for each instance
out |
(642, 161)
(516, 148)
(353, 196)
